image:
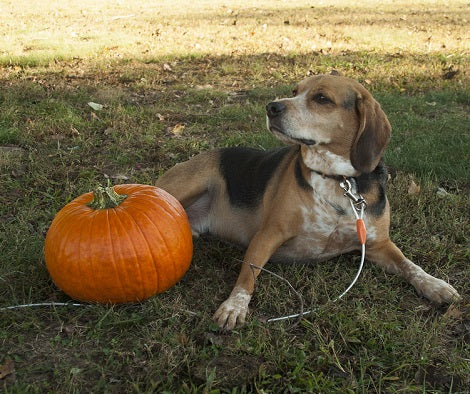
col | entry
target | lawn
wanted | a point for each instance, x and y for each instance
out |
(179, 77)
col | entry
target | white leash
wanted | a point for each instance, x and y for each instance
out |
(40, 304)
(358, 205)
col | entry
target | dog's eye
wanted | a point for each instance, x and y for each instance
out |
(320, 98)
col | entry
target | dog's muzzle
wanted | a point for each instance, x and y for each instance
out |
(273, 111)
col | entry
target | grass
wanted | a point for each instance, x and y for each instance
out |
(209, 71)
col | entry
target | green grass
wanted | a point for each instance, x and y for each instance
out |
(432, 132)
(157, 66)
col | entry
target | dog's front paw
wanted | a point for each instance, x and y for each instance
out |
(435, 289)
(233, 310)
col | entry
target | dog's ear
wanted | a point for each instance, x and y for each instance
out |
(373, 134)
(334, 72)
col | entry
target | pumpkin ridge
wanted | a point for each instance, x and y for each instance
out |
(86, 241)
(115, 210)
(83, 222)
(113, 249)
(173, 209)
(54, 243)
(162, 238)
(66, 211)
(80, 203)
(169, 249)
(146, 242)
(92, 256)
(79, 266)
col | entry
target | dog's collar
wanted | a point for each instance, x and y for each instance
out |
(335, 177)
(349, 185)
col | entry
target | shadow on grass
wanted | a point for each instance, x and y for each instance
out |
(220, 101)
(155, 115)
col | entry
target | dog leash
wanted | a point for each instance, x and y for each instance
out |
(358, 205)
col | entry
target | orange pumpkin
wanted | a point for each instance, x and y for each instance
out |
(121, 244)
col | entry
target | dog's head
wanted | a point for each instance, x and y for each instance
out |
(335, 117)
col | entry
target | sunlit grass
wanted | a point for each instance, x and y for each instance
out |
(35, 32)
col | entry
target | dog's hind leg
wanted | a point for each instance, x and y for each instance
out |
(387, 255)
(190, 183)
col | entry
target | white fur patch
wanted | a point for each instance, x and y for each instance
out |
(430, 287)
(198, 215)
(328, 163)
(233, 310)
(326, 232)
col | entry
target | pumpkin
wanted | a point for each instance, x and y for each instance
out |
(117, 245)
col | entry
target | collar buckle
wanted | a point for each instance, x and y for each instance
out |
(357, 201)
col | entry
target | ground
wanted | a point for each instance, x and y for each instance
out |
(174, 79)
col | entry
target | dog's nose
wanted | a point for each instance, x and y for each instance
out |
(275, 108)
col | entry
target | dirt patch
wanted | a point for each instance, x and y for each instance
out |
(228, 370)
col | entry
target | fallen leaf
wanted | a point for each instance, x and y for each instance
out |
(436, 239)
(441, 192)
(7, 369)
(75, 371)
(182, 338)
(68, 330)
(450, 74)
(115, 18)
(203, 87)
(453, 312)
(413, 189)
(119, 177)
(214, 339)
(391, 378)
(96, 106)
(178, 129)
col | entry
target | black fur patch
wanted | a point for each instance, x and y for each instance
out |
(339, 210)
(377, 178)
(247, 172)
(300, 177)
(350, 101)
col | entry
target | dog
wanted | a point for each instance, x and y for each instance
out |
(287, 204)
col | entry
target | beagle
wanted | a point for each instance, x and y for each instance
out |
(286, 204)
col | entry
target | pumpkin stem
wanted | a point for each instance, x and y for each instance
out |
(106, 197)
